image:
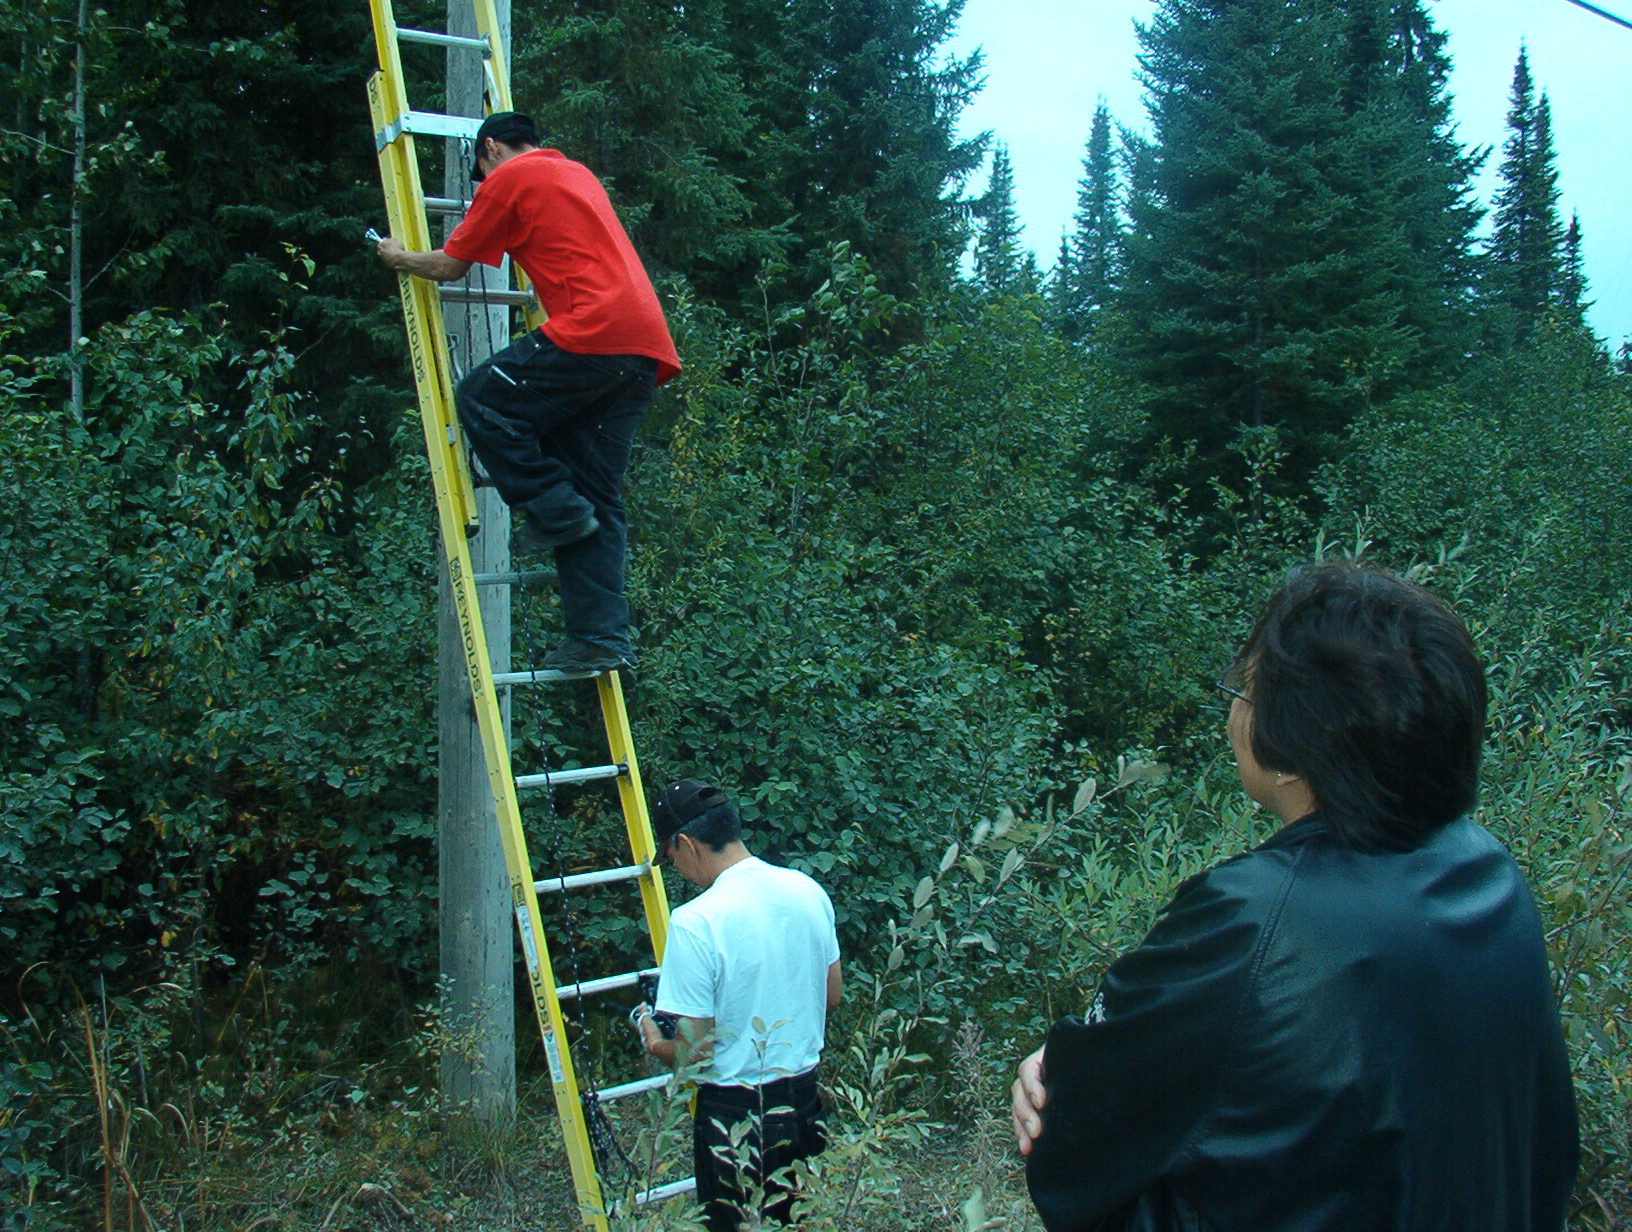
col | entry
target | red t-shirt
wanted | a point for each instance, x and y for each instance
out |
(553, 217)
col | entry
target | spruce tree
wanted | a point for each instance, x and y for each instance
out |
(1138, 161)
(735, 132)
(1400, 76)
(1060, 290)
(1097, 240)
(648, 97)
(1029, 280)
(1526, 253)
(1572, 297)
(1282, 267)
(233, 165)
(853, 135)
(997, 243)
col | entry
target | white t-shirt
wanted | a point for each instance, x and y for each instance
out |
(755, 945)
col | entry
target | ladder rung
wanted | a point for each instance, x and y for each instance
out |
(425, 318)
(607, 876)
(542, 675)
(610, 983)
(672, 1190)
(566, 778)
(474, 295)
(436, 39)
(607, 1094)
(430, 124)
(524, 578)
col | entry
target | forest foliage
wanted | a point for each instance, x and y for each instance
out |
(919, 545)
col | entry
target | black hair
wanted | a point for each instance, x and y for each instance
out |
(717, 828)
(508, 128)
(697, 809)
(1369, 688)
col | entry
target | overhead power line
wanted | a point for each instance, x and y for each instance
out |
(1593, 8)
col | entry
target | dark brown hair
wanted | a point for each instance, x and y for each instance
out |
(1369, 688)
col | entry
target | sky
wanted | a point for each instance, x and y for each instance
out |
(1049, 62)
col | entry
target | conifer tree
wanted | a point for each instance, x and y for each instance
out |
(647, 96)
(1096, 243)
(736, 132)
(228, 145)
(1138, 161)
(853, 134)
(997, 244)
(1060, 290)
(1029, 281)
(1573, 286)
(1400, 77)
(1526, 253)
(1282, 267)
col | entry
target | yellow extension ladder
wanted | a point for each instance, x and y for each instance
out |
(395, 126)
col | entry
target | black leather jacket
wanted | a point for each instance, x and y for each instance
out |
(1317, 1038)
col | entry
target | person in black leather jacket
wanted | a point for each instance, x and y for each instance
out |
(1351, 1026)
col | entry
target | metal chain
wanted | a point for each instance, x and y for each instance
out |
(608, 1150)
(480, 301)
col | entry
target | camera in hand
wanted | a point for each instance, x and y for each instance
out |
(668, 1026)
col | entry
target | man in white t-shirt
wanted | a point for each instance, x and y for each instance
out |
(750, 971)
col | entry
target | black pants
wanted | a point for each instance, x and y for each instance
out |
(554, 429)
(786, 1124)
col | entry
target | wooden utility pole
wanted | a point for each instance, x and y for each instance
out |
(477, 953)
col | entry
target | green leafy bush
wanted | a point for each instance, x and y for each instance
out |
(196, 664)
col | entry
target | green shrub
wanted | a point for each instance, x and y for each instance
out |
(202, 678)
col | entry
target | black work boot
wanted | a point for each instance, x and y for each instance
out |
(578, 657)
(529, 535)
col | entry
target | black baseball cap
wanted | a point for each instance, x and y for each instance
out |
(505, 127)
(680, 804)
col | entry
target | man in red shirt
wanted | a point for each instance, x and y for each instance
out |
(553, 417)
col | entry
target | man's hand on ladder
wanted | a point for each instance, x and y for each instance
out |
(387, 249)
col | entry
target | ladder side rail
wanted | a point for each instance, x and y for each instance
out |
(422, 304)
(496, 66)
(393, 89)
(498, 62)
(421, 300)
(524, 899)
(638, 824)
(405, 197)
(405, 202)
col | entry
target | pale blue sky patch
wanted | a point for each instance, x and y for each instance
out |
(1048, 62)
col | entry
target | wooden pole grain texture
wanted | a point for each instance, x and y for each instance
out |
(478, 1059)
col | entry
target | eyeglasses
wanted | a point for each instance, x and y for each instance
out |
(1229, 690)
